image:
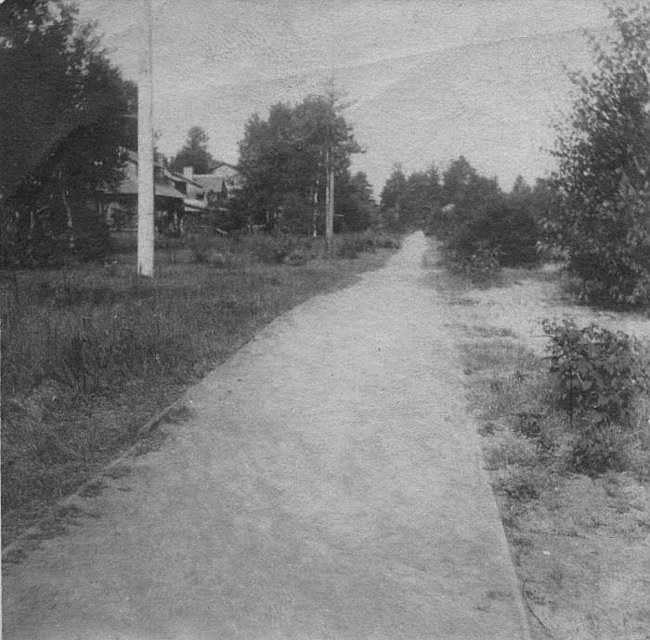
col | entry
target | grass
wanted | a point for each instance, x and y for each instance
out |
(572, 536)
(579, 543)
(91, 353)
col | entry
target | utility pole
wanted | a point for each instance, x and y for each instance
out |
(329, 206)
(146, 194)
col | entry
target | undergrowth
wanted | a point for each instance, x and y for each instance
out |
(569, 413)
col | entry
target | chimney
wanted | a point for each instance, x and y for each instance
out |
(188, 173)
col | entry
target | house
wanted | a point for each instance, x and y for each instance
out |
(194, 200)
(218, 185)
(120, 205)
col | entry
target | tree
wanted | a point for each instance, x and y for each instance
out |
(603, 180)
(422, 196)
(464, 197)
(283, 161)
(194, 154)
(390, 200)
(354, 201)
(63, 108)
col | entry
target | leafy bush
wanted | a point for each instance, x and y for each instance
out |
(508, 232)
(600, 377)
(479, 266)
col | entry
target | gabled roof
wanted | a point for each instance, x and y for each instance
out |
(210, 182)
(178, 177)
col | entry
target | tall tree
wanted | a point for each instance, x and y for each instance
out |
(195, 153)
(63, 108)
(394, 189)
(282, 160)
(354, 201)
(603, 180)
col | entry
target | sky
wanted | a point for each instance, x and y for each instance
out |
(424, 80)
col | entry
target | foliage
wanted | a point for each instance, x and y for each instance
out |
(479, 265)
(194, 154)
(408, 201)
(63, 108)
(283, 163)
(483, 228)
(600, 376)
(354, 202)
(603, 181)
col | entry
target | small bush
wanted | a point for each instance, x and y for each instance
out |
(480, 266)
(600, 377)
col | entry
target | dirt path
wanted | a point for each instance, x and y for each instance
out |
(327, 484)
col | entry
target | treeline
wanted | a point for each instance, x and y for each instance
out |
(66, 112)
(482, 227)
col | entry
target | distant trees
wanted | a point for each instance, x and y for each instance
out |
(406, 202)
(194, 154)
(354, 201)
(283, 164)
(64, 110)
(602, 221)
(469, 212)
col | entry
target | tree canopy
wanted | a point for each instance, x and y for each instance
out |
(408, 201)
(195, 153)
(603, 180)
(283, 161)
(64, 109)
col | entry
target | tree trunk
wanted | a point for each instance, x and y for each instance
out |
(68, 213)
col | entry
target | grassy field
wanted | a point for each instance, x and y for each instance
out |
(91, 352)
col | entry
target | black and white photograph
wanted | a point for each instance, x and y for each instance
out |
(325, 319)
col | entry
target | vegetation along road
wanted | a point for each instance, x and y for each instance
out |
(326, 482)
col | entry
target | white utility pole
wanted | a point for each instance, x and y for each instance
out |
(146, 195)
(329, 207)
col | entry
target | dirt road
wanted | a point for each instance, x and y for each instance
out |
(327, 485)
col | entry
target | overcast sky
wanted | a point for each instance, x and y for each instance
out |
(426, 80)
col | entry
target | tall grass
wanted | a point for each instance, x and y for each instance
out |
(90, 353)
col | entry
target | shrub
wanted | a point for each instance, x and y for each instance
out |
(600, 377)
(479, 266)
(506, 231)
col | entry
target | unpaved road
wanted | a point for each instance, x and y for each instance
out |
(327, 485)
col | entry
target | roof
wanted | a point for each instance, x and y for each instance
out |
(129, 184)
(180, 177)
(129, 187)
(225, 171)
(210, 182)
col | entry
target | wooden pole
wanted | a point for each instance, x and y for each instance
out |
(146, 195)
(329, 217)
